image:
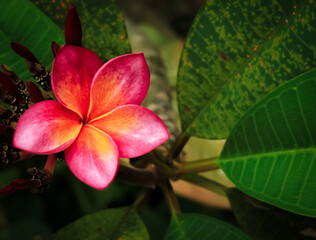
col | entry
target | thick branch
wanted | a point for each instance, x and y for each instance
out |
(140, 177)
(197, 166)
(205, 183)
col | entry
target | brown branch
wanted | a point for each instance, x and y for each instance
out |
(139, 177)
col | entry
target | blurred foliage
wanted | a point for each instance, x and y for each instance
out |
(250, 211)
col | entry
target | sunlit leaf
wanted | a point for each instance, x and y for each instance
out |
(235, 53)
(201, 227)
(117, 223)
(263, 221)
(22, 22)
(271, 153)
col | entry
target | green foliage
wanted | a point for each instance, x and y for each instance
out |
(263, 221)
(103, 30)
(22, 22)
(271, 153)
(120, 223)
(235, 53)
(103, 25)
(201, 227)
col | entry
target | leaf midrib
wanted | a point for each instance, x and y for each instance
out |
(257, 156)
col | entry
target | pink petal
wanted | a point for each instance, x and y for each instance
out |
(122, 80)
(135, 129)
(47, 127)
(93, 157)
(72, 73)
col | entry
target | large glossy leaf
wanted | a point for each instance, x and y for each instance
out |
(201, 227)
(271, 153)
(262, 221)
(102, 23)
(22, 22)
(117, 223)
(235, 53)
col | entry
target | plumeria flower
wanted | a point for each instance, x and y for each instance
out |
(97, 117)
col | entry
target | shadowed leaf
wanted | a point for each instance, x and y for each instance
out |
(117, 223)
(201, 227)
(263, 221)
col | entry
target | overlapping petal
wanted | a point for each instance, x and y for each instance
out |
(93, 157)
(135, 129)
(72, 73)
(47, 127)
(122, 80)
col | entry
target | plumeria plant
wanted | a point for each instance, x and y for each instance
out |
(87, 104)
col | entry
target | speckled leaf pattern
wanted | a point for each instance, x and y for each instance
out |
(201, 227)
(103, 25)
(271, 153)
(235, 53)
(259, 219)
(22, 22)
(117, 223)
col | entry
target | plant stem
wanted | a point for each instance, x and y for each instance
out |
(51, 163)
(170, 197)
(136, 176)
(178, 146)
(141, 198)
(205, 183)
(162, 167)
(201, 165)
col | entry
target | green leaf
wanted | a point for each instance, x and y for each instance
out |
(201, 227)
(103, 26)
(259, 220)
(22, 22)
(271, 153)
(235, 53)
(117, 223)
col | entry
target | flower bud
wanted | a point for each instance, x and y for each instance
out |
(8, 85)
(37, 70)
(23, 51)
(21, 184)
(35, 93)
(55, 48)
(16, 80)
(73, 30)
(7, 190)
